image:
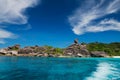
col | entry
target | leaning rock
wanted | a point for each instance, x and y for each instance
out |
(76, 41)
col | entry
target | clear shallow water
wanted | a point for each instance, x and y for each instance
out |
(35, 68)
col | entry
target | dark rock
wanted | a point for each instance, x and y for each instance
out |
(1, 53)
(98, 54)
(76, 41)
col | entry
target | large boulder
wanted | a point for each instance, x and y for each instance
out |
(76, 41)
(3, 51)
(8, 52)
(98, 54)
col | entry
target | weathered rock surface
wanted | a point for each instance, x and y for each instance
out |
(15, 47)
(98, 54)
(76, 50)
(8, 53)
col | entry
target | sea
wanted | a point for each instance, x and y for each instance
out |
(37, 68)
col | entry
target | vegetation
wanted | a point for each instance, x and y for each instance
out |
(52, 50)
(111, 48)
(15, 47)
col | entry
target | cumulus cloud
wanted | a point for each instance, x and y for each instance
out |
(86, 17)
(13, 12)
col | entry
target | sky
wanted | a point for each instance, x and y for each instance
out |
(58, 22)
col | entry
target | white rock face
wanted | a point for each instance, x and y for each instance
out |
(13, 52)
(7, 52)
(3, 51)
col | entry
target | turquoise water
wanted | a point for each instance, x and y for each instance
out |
(35, 68)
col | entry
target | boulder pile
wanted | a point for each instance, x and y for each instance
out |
(74, 50)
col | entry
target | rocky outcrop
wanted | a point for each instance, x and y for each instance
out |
(26, 50)
(15, 47)
(98, 54)
(3, 51)
(8, 52)
(74, 50)
(77, 50)
(34, 49)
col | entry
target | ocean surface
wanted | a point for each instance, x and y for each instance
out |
(36, 68)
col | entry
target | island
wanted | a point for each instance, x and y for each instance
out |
(76, 49)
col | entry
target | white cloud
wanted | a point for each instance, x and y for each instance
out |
(83, 20)
(13, 12)
(4, 34)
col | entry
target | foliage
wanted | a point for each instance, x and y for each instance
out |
(52, 50)
(58, 51)
(14, 48)
(111, 48)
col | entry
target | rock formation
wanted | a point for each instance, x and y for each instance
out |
(15, 47)
(98, 54)
(76, 41)
(76, 50)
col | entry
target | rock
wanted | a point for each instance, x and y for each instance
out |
(26, 50)
(3, 51)
(45, 55)
(83, 46)
(39, 55)
(79, 55)
(85, 52)
(98, 54)
(76, 41)
(75, 50)
(15, 47)
(14, 52)
(8, 52)
(51, 55)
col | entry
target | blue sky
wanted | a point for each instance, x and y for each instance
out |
(58, 22)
